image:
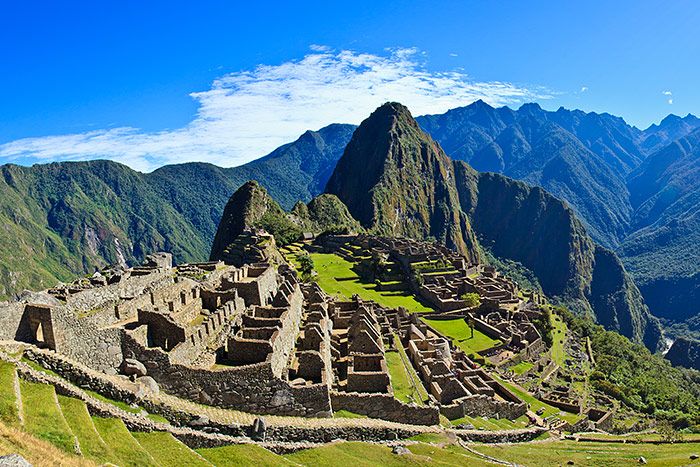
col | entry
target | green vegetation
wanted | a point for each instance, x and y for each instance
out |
(167, 451)
(330, 267)
(642, 380)
(91, 445)
(471, 299)
(8, 399)
(459, 330)
(43, 418)
(243, 455)
(557, 453)
(306, 266)
(400, 382)
(521, 367)
(354, 454)
(124, 445)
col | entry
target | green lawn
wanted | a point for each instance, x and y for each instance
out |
(521, 367)
(330, 266)
(168, 451)
(556, 453)
(422, 392)
(347, 414)
(78, 418)
(243, 455)
(400, 384)
(125, 446)
(8, 400)
(42, 416)
(458, 330)
(355, 454)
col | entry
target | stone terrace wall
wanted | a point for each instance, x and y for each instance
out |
(480, 405)
(249, 388)
(283, 345)
(81, 340)
(385, 407)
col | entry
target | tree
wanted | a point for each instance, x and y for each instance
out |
(471, 299)
(471, 323)
(306, 266)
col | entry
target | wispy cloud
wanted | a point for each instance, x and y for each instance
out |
(666, 93)
(247, 114)
(584, 89)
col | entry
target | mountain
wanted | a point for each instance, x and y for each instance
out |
(636, 191)
(65, 219)
(252, 207)
(662, 251)
(395, 180)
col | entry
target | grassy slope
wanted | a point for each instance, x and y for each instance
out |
(38, 452)
(168, 451)
(125, 446)
(8, 400)
(243, 455)
(78, 418)
(557, 453)
(42, 416)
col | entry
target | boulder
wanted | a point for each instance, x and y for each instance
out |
(134, 367)
(259, 429)
(400, 450)
(159, 260)
(642, 460)
(202, 420)
(149, 383)
(14, 460)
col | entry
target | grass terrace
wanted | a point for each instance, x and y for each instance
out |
(8, 400)
(460, 332)
(331, 267)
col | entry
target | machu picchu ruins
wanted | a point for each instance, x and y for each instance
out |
(256, 342)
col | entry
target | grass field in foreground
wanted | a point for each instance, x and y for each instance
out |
(556, 453)
(8, 403)
(91, 445)
(458, 330)
(42, 416)
(243, 455)
(168, 451)
(330, 266)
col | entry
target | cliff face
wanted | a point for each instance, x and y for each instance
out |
(528, 225)
(395, 180)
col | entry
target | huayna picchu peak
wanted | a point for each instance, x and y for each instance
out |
(397, 181)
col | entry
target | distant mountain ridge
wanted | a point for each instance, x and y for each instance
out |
(613, 175)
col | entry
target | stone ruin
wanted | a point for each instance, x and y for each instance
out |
(254, 338)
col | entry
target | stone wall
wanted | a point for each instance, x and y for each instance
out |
(480, 405)
(385, 407)
(250, 388)
(13, 324)
(93, 299)
(81, 340)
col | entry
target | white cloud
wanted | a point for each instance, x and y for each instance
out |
(453, 55)
(667, 93)
(247, 114)
(584, 89)
(670, 101)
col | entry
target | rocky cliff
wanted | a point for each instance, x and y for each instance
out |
(395, 180)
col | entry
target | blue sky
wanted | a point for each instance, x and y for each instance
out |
(149, 83)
